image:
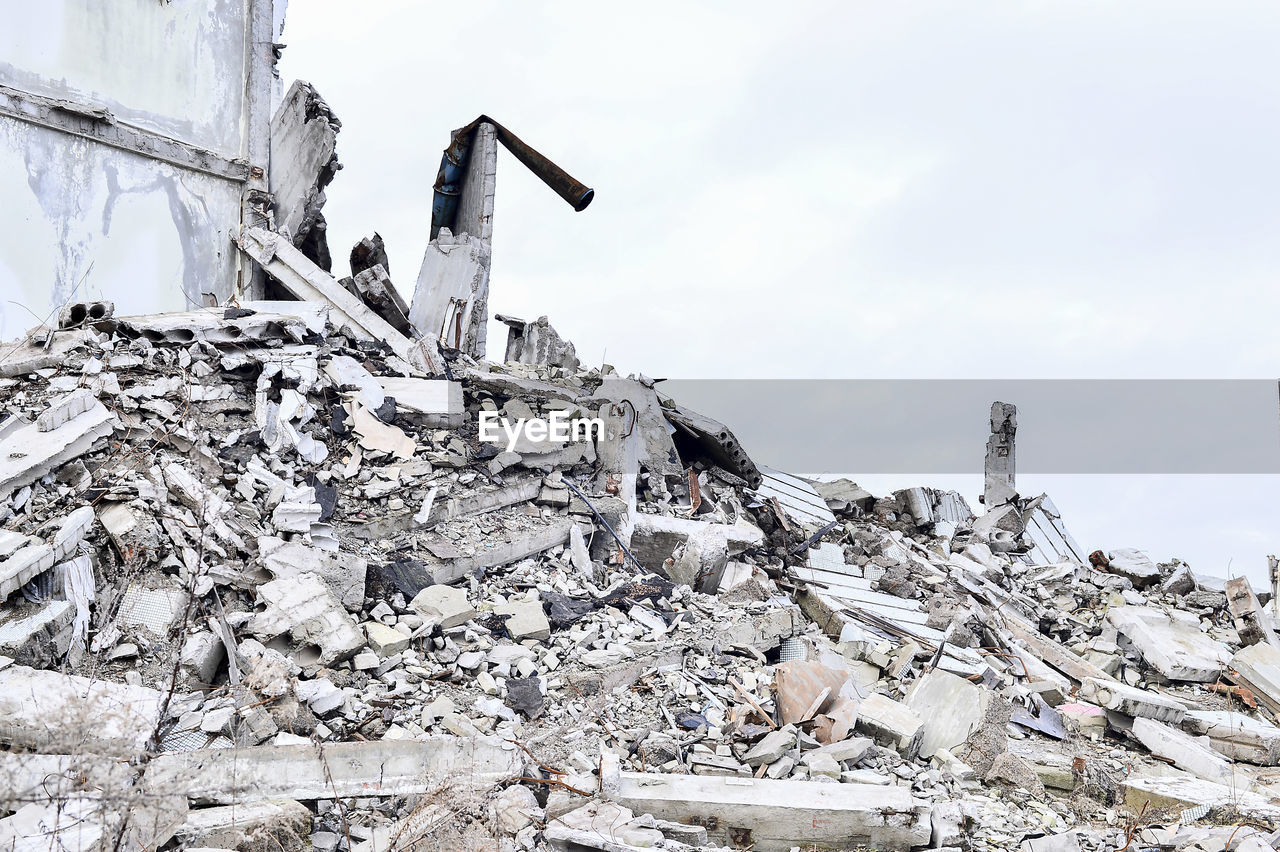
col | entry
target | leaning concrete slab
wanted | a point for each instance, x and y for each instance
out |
(1236, 735)
(382, 768)
(1187, 753)
(1185, 791)
(775, 815)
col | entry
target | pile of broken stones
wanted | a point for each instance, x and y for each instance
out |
(262, 586)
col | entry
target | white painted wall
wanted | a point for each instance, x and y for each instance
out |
(173, 66)
(83, 220)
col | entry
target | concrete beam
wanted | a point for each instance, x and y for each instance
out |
(775, 815)
(96, 123)
(341, 770)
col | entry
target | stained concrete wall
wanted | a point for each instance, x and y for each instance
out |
(135, 206)
(176, 68)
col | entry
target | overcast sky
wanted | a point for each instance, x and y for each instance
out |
(857, 190)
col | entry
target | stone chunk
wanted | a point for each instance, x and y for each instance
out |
(771, 746)
(890, 723)
(446, 604)
(385, 640)
(1134, 565)
(525, 619)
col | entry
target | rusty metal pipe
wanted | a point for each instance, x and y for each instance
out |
(449, 180)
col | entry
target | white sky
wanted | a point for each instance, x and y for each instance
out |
(857, 190)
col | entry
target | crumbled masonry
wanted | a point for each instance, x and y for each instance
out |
(318, 611)
(263, 586)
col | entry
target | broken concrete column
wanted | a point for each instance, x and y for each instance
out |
(304, 159)
(998, 472)
(538, 344)
(376, 290)
(450, 301)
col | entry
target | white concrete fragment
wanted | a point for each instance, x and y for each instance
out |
(52, 712)
(1130, 700)
(340, 770)
(28, 453)
(1188, 753)
(950, 707)
(1172, 642)
(446, 604)
(303, 607)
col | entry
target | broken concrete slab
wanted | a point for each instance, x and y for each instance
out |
(654, 538)
(302, 606)
(339, 770)
(376, 290)
(448, 605)
(435, 403)
(1236, 735)
(1186, 791)
(1257, 667)
(56, 713)
(1131, 701)
(537, 343)
(1251, 622)
(1135, 566)
(1172, 642)
(272, 824)
(1188, 753)
(302, 277)
(29, 452)
(890, 723)
(343, 574)
(949, 707)
(450, 300)
(304, 160)
(775, 816)
(37, 635)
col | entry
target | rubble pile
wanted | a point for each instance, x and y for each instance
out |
(265, 585)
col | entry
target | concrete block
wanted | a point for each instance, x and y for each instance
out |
(23, 565)
(446, 604)
(65, 408)
(343, 573)
(384, 640)
(1135, 565)
(304, 608)
(525, 619)
(890, 723)
(950, 707)
(771, 747)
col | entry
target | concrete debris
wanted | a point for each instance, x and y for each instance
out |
(304, 161)
(537, 344)
(265, 584)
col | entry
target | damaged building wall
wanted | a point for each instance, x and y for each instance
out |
(131, 137)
